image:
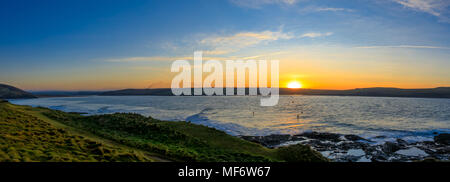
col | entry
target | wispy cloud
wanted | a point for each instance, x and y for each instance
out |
(143, 59)
(310, 9)
(256, 4)
(334, 9)
(265, 55)
(158, 58)
(230, 43)
(189, 58)
(223, 44)
(316, 34)
(403, 46)
(438, 8)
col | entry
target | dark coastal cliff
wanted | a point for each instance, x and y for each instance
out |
(10, 92)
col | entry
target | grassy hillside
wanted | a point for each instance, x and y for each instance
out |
(26, 138)
(10, 92)
(41, 134)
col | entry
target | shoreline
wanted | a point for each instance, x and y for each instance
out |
(126, 137)
(353, 148)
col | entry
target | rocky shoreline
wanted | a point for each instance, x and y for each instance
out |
(353, 148)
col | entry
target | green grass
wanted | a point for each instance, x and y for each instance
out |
(26, 138)
(144, 138)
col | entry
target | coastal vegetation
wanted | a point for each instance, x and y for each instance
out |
(41, 134)
(27, 138)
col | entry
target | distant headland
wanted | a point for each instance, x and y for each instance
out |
(10, 92)
(440, 92)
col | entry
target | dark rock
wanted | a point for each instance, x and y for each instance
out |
(379, 157)
(402, 142)
(321, 136)
(443, 138)
(297, 138)
(352, 145)
(443, 150)
(381, 136)
(390, 147)
(339, 146)
(354, 137)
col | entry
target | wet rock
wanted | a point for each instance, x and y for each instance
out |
(402, 143)
(297, 138)
(336, 147)
(322, 136)
(351, 145)
(443, 150)
(379, 158)
(443, 138)
(390, 147)
(354, 138)
(380, 137)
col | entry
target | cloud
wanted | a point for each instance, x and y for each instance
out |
(310, 9)
(265, 55)
(316, 34)
(256, 4)
(214, 44)
(189, 58)
(168, 58)
(158, 58)
(217, 45)
(139, 59)
(438, 8)
(333, 9)
(403, 46)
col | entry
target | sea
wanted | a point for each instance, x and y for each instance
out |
(411, 119)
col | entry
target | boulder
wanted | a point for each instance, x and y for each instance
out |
(354, 138)
(443, 138)
(390, 147)
(402, 142)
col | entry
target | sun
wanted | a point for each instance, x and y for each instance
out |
(294, 84)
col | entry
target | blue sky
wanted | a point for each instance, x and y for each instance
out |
(98, 45)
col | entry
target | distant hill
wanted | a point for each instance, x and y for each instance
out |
(161, 92)
(10, 92)
(64, 93)
(440, 92)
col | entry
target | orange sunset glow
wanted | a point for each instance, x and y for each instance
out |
(294, 84)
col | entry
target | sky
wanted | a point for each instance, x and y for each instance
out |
(324, 44)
